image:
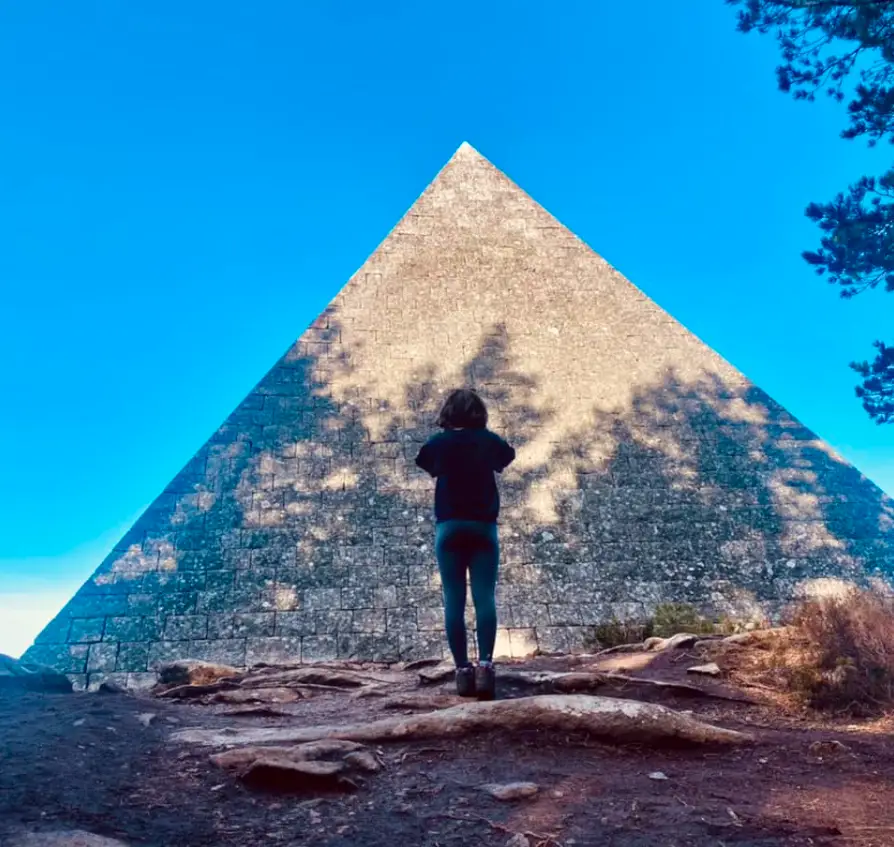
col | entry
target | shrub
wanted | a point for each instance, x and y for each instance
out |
(848, 662)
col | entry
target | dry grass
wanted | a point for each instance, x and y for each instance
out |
(837, 655)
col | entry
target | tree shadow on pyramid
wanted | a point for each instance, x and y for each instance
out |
(303, 530)
(708, 496)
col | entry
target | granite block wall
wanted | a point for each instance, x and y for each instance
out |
(649, 470)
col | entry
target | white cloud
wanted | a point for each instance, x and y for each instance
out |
(24, 615)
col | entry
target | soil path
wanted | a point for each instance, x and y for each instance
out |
(97, 762)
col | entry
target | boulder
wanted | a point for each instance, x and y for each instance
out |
(194, 672)
(25, 676)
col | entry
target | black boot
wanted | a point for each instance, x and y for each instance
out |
(485, 682)
(465, 681)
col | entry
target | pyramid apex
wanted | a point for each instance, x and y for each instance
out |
(466, 151)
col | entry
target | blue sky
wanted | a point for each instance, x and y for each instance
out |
(184, 186)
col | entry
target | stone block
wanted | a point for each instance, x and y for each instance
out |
(295, 623)
(333, 621)
(85, 630)
(141, 604)
(230, 651)
(564, 614)
(133, 657)
(65, 658)
(561, 639)
(102, 658)
(419, 596)
(422, 645)
(184, 627)
(370, 621)
(241, 624)
(55, 632)
(321, 599)
(373, 648)
(132, 629)
(141, 681)
(177, 603)
(78, 681)
(273, 650)
(95, 680)
(429, 619)
(319, 648)
(83, 606)
(402, 620)
(161, 652)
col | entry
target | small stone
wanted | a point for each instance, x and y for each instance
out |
(363, 760)
(518, 840)
(146, 718)
(511, 790)
(80, 722)
(658, 776)
(825, 748)
(710, 669)
(110, 687)
(763, 761)
(439, 673)
(558, 794)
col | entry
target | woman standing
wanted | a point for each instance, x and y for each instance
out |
(463, 458)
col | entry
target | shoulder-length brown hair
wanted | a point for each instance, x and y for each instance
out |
(463, 409)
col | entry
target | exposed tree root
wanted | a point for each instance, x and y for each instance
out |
(609, 718)
(580, 681)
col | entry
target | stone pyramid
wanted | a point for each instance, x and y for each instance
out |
(649, 470)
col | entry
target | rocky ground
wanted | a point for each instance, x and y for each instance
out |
(716, 763)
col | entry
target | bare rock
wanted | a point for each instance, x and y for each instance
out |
(241, 696)
(710, 669)
(194, 672)
(828, 748)
(439, 673)
(518, 840)
(66, 838)
(193, 692)
(26, 676)
(680, 641)
(652, 643)
(310, 675)
(363, 760)
(422, 702)
(610, 718)
(658, 776)
(111, 687)
(511, 790)
(419, 664)
(146, 718)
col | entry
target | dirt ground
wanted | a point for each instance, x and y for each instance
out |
(90, 762)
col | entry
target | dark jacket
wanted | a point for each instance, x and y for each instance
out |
(464, 462)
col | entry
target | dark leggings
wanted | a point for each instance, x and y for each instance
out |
(461, 547)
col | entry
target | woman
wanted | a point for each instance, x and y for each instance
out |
(464, 458)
